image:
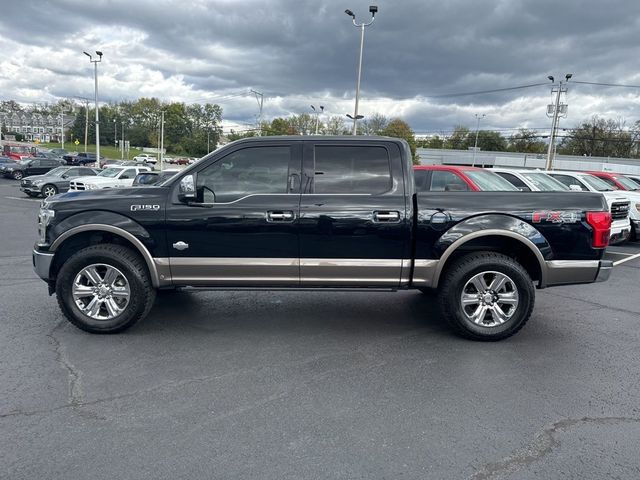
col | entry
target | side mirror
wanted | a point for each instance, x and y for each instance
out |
(187, 188)
(65, 176)
(575, 188)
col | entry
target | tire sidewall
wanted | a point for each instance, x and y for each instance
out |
(82, 259)
(526, 297)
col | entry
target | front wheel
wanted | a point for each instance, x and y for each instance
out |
(486, 296)
(104, 289)
(49, 191)
(17, 175)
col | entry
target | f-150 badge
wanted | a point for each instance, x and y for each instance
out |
(149, 208)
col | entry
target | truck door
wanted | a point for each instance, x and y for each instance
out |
(243, 229)
(354, 228)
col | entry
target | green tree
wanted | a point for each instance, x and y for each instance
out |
(400, 129)
(374, 125)
(335, 126)
(434, 142)
(599, 137)
(490, 141)
(459, 139)
(526, 141)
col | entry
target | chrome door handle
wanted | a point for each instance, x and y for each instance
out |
(180, 246)
(386, 216)
(280, 216)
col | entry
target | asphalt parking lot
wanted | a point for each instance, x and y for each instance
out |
(279, 385)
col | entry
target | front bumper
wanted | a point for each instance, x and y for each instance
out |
(42, 264)
(635, 228)
(30, 189)
(570, 272)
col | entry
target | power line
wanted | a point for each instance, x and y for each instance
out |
(480, 92)
(607, 84)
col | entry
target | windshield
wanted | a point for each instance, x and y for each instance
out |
(544, 182)
(110, 172)
(489, 181)
(57, 172)
(595, 182)
(626, 183)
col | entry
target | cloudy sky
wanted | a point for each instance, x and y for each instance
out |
(302, 52)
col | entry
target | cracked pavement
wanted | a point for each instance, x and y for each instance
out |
(277, 385)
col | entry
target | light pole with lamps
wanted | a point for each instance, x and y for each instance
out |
(475, 145)
(373, 9)
(556, 110)
(95, 70)
(317, 115)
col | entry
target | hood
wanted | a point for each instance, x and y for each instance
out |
(623, 196)
(79, 200)
(35, 177)
(94, 179)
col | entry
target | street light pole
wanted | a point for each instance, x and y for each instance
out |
(95, 74)
(373, 9)
(122, 140)
(317, 115)
(162, 141)
(475, 145)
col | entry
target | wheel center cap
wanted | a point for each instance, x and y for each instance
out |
(487, 298)
(103, 291)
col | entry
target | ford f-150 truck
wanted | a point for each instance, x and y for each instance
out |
(316, 213)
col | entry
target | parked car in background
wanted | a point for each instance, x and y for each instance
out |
(447, 178)
(625, 214)
(634, 178)
(18, 151)
(119, 163)
(54, 181)
(29, 166)
(7, 161)
(153, 178)
(82, 158)
(617, 181)
(146, 158)
(530, 180)
(182, 161)
(58, 151)
(113, 177)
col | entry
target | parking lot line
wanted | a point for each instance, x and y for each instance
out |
(628, 259)
(24, 199)
(618, 253)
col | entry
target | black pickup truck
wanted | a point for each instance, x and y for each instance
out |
(316, 213)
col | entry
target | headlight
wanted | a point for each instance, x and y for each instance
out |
(44, 219)
(37, 183)
(638, 207)
(10, 169)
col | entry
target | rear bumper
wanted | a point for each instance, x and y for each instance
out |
(569, 272)
(42, 264)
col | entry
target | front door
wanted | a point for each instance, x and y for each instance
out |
(354, 221)
(243, 230)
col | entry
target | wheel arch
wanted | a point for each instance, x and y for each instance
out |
(510, 243)
(95, 233)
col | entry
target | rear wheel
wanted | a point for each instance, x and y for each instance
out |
(104, 289)
(17, 175)
(486, 296)
(49, 190)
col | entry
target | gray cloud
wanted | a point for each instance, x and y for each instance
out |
(304, 51)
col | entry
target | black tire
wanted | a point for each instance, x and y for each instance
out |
(48, 187)
(133, 268)
(17, 175)
(462, 271)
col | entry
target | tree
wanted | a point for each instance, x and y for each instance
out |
(459, 139)
(400, 129)
(526, 141)
(490, 141)
(335, 126)
(433, 142)
(374, 125)
(599, 137)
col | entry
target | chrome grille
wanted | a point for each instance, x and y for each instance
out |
(619, 210)
(76, 186)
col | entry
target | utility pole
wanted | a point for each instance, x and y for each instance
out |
(162, 141)
(555, 111)
(122, 141)
(260, 100)
(62, 128)
(115, 133)
(86, 124)
(475, 145)
(95, 74)
(373, 10)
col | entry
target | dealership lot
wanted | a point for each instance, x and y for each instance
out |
(315, 385)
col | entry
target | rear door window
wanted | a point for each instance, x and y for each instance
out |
(515, 181)
(568, 181)
(444, 181)
(352, 169)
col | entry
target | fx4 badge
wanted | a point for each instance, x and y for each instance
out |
(148, 208)
(555, 217)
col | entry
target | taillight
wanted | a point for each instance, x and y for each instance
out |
(601, 224)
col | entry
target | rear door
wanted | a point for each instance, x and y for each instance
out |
(354, 228)
(245, 230)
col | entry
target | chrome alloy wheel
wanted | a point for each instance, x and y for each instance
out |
(489, 299)
(101, 291)
(49, 191)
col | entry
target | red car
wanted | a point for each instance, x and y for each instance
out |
(447, 178)
(616, 181)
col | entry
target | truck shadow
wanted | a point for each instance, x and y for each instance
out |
(302, 312)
